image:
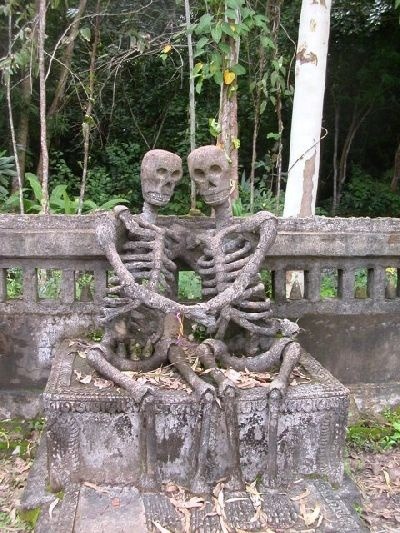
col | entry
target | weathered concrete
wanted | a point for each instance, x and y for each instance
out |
(69, 244)
(93, 434)
(357, 349)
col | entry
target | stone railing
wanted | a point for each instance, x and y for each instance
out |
(354, 333)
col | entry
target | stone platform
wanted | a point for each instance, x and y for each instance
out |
(89, 508)
(93, 435)
(90, 457)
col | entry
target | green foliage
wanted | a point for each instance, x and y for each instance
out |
(49, 283)
(264, 200)
(328, 287)
(16, 435)
(189, 286)
(117, 173)
(7, 171)
(374, 436)
(226, 21)
(366, 196)
(30, 516)
(59, 201)
(14, 282)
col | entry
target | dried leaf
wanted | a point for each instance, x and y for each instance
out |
(310, 518)
(167, 49)
(171, 487)
(387, 479)
(194, 503)
(160, 527)
(82, 355)
(52, 506)
(116, 502)
(95, 487)
(102, 383)
(229, 77)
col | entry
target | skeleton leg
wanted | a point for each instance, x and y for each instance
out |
(258, 363)
(206, 392)
(279, 509)
(150, 475)
(227, 390)
(95, 357)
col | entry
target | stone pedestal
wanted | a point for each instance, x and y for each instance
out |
(93, 435)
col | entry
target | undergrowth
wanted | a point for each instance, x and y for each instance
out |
(374, 436)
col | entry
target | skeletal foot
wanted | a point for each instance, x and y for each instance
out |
(279, 509)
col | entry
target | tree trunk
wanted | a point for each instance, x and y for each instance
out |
(65, 63)
(396, 170)
(335, 160)
(23, 129)
(192, 101)
(42, 108)
(274, 10)
(88, 119)
(301, 190)
(356, 121)
(10, 115)
(228, 138)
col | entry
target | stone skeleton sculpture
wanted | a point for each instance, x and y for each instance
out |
(226, 251)
(231, 257)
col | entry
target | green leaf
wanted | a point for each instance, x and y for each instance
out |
(85, 34)
(214, 127)
(112, 203)
(204, 24)
(235, 4)
(216, 33)
(57, 193)
(35, 186)
(201, 43)
(268, 43)
(263, 105)
(275, 136)
(218, 77)
(239, 70)
(199, 85)
(226, 28)
(225, 49)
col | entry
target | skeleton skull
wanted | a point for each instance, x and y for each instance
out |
(159, 173)
(209, 168)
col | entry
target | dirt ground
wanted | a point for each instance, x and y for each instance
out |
(376, 474)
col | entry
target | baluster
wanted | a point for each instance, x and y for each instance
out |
(312, 284)
(100, 284)
(30, 285)
(279, 285)
(376, 283)
(346, 283)
(3, 284)
(67, 292)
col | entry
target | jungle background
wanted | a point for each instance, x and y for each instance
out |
(117, 85)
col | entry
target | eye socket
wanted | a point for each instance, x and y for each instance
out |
(162, 172)
(215, 169)
(198, 174)
(176, 175)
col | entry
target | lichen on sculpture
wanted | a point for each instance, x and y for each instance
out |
(241, 334)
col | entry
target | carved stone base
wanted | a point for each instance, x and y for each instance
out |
(94, 435)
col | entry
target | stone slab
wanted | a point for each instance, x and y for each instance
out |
(124, 509)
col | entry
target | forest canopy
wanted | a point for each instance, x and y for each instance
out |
(117, 83)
